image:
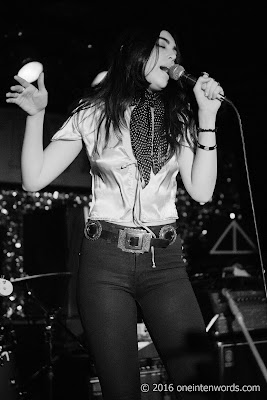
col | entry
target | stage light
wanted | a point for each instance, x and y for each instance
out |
(99, 77)
(31, 71)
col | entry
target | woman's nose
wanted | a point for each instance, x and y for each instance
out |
(172, 56)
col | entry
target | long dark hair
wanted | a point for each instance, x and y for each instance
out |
(125, 80)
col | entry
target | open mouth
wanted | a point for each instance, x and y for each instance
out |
(165, 69)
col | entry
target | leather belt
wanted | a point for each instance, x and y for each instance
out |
(132, 240)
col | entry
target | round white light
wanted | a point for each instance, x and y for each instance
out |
(31, 71)
(6, 287)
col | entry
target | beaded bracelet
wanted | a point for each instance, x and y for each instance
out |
(200, 146)
(207, 130)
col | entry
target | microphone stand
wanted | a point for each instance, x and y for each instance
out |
(239, 318)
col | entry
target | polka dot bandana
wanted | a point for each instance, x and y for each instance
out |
(147, 134)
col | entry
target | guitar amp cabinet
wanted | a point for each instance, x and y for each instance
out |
(152, 374)
(239, 371)
(252, 305)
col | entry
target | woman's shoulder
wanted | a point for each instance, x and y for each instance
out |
(86, 115)
(87, 110)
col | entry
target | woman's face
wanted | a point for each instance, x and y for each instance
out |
(156, 70)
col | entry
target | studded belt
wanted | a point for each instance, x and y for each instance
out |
(133, 240)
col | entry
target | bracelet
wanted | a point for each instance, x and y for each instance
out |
(207, 130)
(200, 146)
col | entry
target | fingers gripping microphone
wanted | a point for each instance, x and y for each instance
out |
(177, 72)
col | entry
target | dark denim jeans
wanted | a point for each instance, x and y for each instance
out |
(110, 282)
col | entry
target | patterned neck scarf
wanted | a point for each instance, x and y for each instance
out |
(148, 136)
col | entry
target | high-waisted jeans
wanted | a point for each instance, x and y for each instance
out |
(110, 283)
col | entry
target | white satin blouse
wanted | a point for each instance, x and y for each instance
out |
(117, 194)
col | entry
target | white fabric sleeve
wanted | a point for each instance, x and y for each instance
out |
(80, 126)
(68, 131)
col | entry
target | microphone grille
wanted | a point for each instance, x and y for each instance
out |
(176, 71)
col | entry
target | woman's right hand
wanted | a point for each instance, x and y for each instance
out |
(27, 96)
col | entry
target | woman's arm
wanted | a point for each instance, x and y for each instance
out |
(39, 167)
(199, 171)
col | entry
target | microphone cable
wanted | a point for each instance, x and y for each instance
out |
(250, 193)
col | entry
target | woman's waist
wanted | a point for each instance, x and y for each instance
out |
(123, 213)
(138, 239)
(153, 226)
(127, 220)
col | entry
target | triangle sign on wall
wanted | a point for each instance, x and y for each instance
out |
(239, 242)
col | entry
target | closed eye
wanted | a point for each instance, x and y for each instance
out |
(168, 42)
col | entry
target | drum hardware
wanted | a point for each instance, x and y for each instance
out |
(48, 368)
(6, 287)
(8, 376)
(31, 277)
(8, 370)
(50, 320)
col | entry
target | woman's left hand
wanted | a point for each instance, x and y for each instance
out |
(207, 92)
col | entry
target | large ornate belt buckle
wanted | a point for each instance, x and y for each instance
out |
(169, 233)
(92, 229)
(134, 240)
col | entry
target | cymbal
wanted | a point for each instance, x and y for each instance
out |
(29, 277)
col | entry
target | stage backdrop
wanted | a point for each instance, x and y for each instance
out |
(12, 125)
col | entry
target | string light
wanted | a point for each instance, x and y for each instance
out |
(14, 204)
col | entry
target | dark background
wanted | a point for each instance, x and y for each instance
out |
(72, 39)
(227, 39)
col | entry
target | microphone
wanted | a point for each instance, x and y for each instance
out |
(177, 71)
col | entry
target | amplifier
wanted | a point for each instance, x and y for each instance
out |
(252, 305)
(238, 367)
(152, 373)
